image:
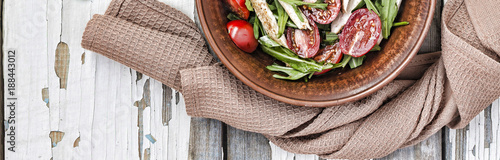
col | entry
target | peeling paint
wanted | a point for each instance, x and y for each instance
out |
(139, 76)
(6, 126)
(488, 128)
(151, 138)
(141, 105)
(76, 143)
(83, 58)
(45, 96)
(62, 64)
(177, 97)
(56, 137)
(166, 105)
(474, 150)
(147, 154)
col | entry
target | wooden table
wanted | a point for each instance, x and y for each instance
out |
(75, 104)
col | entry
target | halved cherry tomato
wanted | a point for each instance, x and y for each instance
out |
(241, 32)
(323, 16)
(360, 33)
(329, 54)
(239, 8)
(304, 42)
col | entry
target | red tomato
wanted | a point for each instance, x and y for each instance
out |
(241, 32)
(360, 33)
(329, 54)
(323, 16)
(304, 42)
(239, 8)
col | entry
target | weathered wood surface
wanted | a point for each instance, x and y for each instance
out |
(76, 104)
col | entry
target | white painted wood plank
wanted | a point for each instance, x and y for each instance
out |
(31, 125)
(96, 106)
(280, 154)
(479, 140)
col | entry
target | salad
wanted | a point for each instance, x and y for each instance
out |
(311, 37)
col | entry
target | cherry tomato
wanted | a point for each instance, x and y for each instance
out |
(323, 16)
(303, 42)
(241, 32)
(329, 54)
(239, 8)
(360, 33)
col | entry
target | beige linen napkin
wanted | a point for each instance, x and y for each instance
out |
(164, 44)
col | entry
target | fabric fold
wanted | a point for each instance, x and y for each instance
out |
(436, 89)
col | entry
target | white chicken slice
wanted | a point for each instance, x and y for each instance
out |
(294, 17)
(345, 4)
(342, 18)
(268, 21)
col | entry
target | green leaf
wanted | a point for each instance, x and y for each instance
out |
(232, 17)
(256, 28)
(330, 36)
(251, 19)
(268, 42)
(397, 24)
(388, 12)
(361, 4)
(289, 23)
(249, 5)
(345, 61)
(272, 6)
(282, 18)
(298, 12)
(376, 48)
(325, 27)
(300, 64)
(291, 73)
(356, 61)
(312, 5)
(371, 6)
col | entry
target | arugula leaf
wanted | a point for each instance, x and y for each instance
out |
(361, 4)
(265, 40)
(292, 73)
(397, 24)
(376, 48)
(330, 36)
(300, 64)
(388, 12)
(249, 5)
(325, 27)
(345, 61)
(256, 27)
(298, 12)
(282, 18)
(312, 5)
(272, 6)
(232, 17)
(371, 6)
(356, 61)
(289, 23)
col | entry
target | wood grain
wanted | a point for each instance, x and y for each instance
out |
(95, 107)
(92, 115)
(246, 145)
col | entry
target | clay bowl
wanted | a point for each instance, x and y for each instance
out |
(334, 88)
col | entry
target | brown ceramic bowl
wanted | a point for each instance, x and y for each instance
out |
(334, 88)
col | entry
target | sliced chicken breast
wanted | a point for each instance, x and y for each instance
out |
(268, 21)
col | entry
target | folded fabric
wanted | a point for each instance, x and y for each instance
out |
(161, 42)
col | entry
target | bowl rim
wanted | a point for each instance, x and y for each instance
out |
(305, 103)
